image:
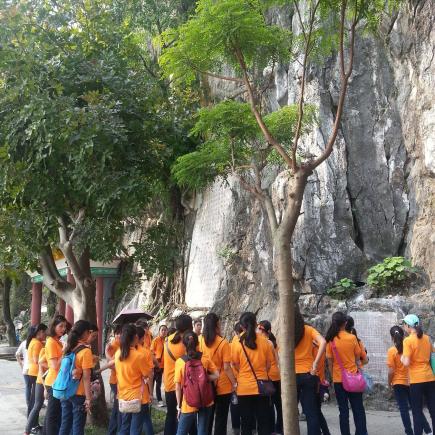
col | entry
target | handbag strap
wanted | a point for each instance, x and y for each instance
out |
(168, 350)
(249, 361)
(337, 356)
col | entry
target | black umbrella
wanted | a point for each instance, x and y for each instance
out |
(131, 315)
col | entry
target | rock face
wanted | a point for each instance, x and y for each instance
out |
(373, 198)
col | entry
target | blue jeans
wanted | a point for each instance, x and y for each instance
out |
(131, 424)
(115, 415)
(187, 421)
(73, 416)
(356, 403)
(307, 386)
(30, 382)
(418, 393)
(53, 414)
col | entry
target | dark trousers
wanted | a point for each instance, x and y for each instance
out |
(73, 416)
(158, 383)
(419, 392)
(307, 386)
(171, 422)
(255, 412)
(324, 429)
(356, 403)
(276, 423)
(53, 414)
(235, 416)
(33, 418)
(115, 415)
(219, 414)
(134, 424)
(30, 382)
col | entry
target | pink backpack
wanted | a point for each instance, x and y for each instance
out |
(352, 382)
(197, 389)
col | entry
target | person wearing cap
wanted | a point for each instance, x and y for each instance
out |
(417, 349)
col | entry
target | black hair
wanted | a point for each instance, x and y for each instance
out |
(142, 323)
(299, 326)
(33, 332)
(56, 321)
(190, 341)
(238, 328)
(117, 329)
(350, 327)
(128, 335)
(209, 333)
(397, 335)
(338, 320)
(267, 327)
(79, 328)
(162, 326)
(171, 330)
(197, 321)
(140, 332)
(94, 327)
(183, 323)
(419, 330)
(248, 321)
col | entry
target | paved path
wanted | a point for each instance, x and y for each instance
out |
(13, 408)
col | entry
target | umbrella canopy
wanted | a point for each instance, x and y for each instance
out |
(131, 315)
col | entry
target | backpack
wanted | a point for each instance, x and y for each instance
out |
(197, 389)
(65, 386)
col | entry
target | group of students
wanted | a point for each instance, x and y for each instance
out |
(206, 377)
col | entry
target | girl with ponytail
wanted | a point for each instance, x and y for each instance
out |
(343, 345)
(417, 349)
(188, 415)
(398, 379)
(217, 348)
(133, 369)
(74, 409)
(252, 357)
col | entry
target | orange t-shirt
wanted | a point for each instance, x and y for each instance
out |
(157, 348)
(321, 365)
(418, 351)
(42, 361)
(177, 350)
(33, 350)
(53, 349)
(400, 375)
(219, 352)
(304, 350)
(232, 345)
(84, 360)
(349, 351)
(130, 373)
(148, 339)
(259, 357)
(179, 374)
(274, 373)
(114, 346)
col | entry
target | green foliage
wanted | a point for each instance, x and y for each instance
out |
(226, 253)
(342, 289)
(392, 271)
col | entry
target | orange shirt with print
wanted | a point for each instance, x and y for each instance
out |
(260, 358)
(33, 350)
(349, 351)
(157, 348)
(180, 366)
(114, 346)
(177, 350)
(400, 372)
(418, 350)
(53, 349)
(42, 361)
(84, 360)
(304, 357)
(130, 373)
(219, 352)
(274, 374)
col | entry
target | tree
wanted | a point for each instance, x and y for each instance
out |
(6, 284)
(87, 133)
(232, 41)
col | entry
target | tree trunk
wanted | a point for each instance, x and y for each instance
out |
(12, 338)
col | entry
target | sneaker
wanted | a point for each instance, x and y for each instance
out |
(160, 404)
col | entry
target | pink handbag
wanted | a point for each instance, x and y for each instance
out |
(352, 382)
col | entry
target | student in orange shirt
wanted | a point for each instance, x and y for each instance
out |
(174, 349)
(417, 349)
(132, 370)
(265, 328)
(197, 327)
(217, 348)
(148, 337)
(35, 343)
(188, 415)
(252, 350)
(74, 409)
(398, 378)
(146, 351)
(234, 407)
(157, 348)
(349, 351)
(53, 354)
